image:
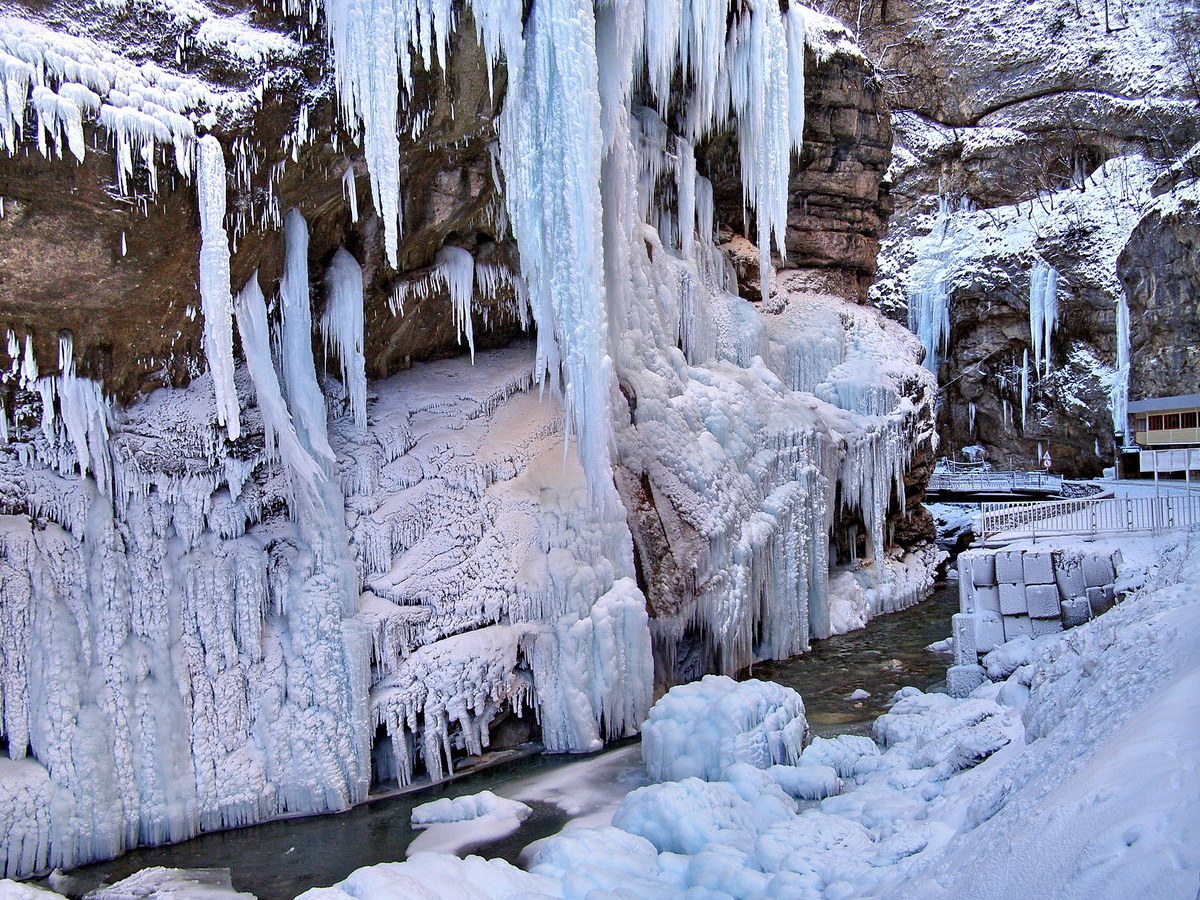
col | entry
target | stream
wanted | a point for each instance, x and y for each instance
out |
(278, 860)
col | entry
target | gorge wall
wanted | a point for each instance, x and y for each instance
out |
(334, 451)
(1033, 137)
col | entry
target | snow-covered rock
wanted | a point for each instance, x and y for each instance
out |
(701, 729)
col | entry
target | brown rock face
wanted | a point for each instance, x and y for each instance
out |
(1160, 268)
(838, 204)
(135, 317)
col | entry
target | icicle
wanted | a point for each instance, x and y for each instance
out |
(123, 245)
(304, 396)
(350, 191)
(550, 141)
(929, 304)
(279, 436)
(704, 209)
(342, 328)
(456, 268)
(685, 184)
(1119, 393)
(971, 418)
(796, 39)
(1024, 385)
(215, 293)
(84, 414)
(1043, 312)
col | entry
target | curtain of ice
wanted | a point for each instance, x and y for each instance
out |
(328, 690)
(215, 293)
(929, 302)
(342, 328)
(1043, 312)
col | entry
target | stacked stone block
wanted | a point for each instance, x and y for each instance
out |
(1006, 593)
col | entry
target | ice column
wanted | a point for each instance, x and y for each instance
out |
(279, 433)
(1119, 397)
(551, 145)
(342, 328)
(215, 294)
(1024, 385)
(299, 369)
(1043, 312)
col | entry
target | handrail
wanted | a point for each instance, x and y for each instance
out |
(1088, 516)
(983, 482)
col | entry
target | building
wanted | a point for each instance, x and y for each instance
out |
(1167, 429)
(1167, 421)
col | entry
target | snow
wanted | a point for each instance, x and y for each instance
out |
(449, 824)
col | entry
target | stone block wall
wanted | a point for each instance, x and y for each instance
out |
(1006, 593)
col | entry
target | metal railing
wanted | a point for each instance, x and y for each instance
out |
(1112, 515)
(994, 482)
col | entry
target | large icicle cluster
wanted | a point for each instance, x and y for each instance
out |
(1043, 312)
(744, 70)
(929, 301)
(212, 628)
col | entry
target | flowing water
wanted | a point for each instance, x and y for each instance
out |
(278, 860)
(880, 659)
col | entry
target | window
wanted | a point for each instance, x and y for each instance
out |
(1187, 420)
(1171, 421)
(1156, 423)
(1141, 424)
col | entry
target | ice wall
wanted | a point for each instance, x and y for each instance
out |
(215, 625)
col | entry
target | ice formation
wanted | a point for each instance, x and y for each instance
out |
(929, 301)
(208, 628)
(342, 329)
(215, 292)
(701, 729)
(1049, 760)
(1043, 312)
(1119, 395)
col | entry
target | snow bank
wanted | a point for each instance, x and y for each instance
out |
(450, 824)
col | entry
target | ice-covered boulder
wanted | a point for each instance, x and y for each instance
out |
(701, 729)
(685, 816)
(485, 804)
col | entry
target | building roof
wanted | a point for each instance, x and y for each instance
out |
(1165, 404)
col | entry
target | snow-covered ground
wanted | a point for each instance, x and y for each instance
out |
(1074, 775)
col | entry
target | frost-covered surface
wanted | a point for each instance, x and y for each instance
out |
(974, 250)
(1079, 765)
(448, 824)
(703, 728)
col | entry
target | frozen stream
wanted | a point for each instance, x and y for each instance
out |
(278, 860)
